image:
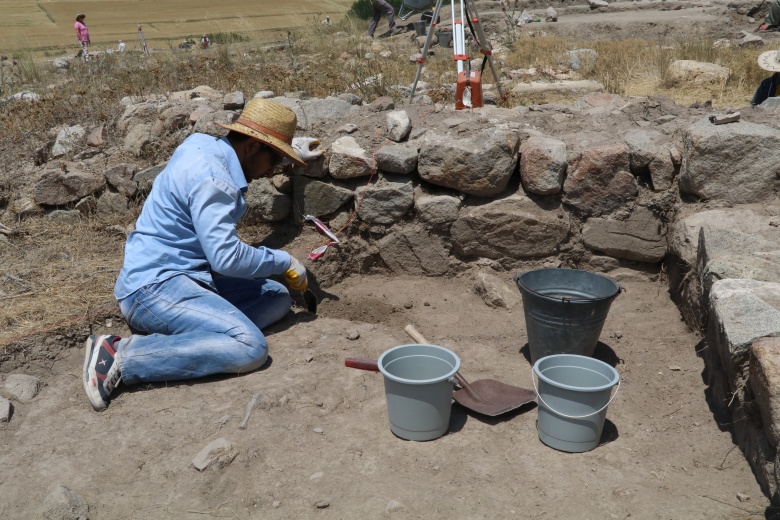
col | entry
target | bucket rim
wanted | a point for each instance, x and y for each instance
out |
(521, 283)
(614, 381)
(392, 377)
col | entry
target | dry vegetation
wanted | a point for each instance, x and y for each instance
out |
(54, 275)
(48, 26)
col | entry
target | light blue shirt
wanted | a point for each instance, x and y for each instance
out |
(188, 222)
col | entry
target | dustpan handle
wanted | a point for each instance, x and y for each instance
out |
(536, 388)
(362, 364)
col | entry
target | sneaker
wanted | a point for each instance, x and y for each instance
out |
(101, 373)
(395, 31)
(766, 28)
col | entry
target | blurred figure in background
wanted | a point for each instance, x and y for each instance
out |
(82, 36)
(769, 61)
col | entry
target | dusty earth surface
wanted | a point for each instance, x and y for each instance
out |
(320, 432)
(318, 444)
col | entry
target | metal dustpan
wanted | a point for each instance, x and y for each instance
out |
(490, 397)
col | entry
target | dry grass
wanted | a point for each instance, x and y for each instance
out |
(57, 273)
(49, 25)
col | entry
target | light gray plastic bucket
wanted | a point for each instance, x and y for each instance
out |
(419, 380)
(565, 310)
(573, 395)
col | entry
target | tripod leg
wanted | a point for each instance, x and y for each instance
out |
(482, 41)
(428, 39)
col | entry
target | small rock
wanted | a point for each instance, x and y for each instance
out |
(675, 368)
(322, 504)
(63, 504)
(427, 304)
(276, 504)
(309, 358)
(317, 476)
(218, 453)
(394, 505)
(722, 119)
(408, 305)
(349, 128)
(23, 387)
(774, 222)
(5, 410)
(742, 497)
(318, 430)
(353, 334)
(436, 467)
(96, 137)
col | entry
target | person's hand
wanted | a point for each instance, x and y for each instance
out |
(303, 146)
(296, 276)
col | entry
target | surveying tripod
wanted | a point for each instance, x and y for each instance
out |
(140, 37)
(467, 80)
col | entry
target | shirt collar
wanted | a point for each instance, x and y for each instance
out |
(233, 166)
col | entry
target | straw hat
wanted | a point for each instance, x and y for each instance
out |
(271, 123)
(770, 61)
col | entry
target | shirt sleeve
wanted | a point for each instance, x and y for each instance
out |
(213, 206)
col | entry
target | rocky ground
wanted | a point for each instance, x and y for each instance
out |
(318, 443)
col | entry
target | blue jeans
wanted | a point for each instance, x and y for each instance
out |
(188, 330)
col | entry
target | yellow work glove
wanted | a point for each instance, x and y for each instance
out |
(296, 276)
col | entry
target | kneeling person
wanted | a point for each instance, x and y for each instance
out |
(197, 294)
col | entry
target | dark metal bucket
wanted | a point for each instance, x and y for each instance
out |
(419, 27)
(565, 310)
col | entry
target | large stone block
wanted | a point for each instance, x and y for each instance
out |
(738, 162)
(599, 181)
(480, 165)
(765, 382)
(543, 164)
(514, 227)
(740, 312)
(414, 251)
(642, 237)
(318, 198)
(385, 202)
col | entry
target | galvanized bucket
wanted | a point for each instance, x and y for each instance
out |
(565, 310)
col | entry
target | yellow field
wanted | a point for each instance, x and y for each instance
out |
(40, 25)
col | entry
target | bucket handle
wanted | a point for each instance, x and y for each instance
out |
(536, 388)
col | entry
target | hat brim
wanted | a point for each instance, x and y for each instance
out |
(274, 142)
(767, 61)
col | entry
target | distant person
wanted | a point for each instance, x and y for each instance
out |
(379, 7)
(772, 18)
(122, 46)
(769, 61)
(82, 36)
(205, 42)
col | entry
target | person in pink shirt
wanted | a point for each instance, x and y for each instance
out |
(82, 36)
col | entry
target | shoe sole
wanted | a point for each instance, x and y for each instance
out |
(98, 405)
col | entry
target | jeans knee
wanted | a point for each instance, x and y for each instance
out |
(255, 349)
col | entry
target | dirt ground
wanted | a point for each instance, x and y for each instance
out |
(320, 432)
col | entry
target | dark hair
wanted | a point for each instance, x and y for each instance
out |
(237, 137)
(80, 17)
